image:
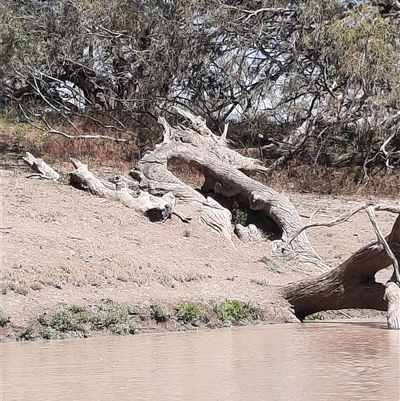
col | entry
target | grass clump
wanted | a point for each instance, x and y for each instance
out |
(117, 318)
(189, 313)
(72, 318)
(270, 265)
(160, 312)
(4, 318)
(315, 316)
(28, 333)
(234, 311)
(261, 282)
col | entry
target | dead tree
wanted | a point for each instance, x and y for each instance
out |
(352, 284)
(226, 173)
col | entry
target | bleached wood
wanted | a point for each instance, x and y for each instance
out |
(155, 207)
(41, 167)
(226, 173)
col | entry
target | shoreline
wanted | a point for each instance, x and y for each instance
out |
(64, 246)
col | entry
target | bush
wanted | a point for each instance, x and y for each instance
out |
(28, 333)
(4, 318)
(232, 311)
(160, 312)
(189, 313)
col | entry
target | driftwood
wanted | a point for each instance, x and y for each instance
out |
(226, 173)
(154, 207)
(38, 165)
(352, 284)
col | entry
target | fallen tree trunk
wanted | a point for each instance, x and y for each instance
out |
(226, 173)
(352, 284)
(154, 207)
(38, 165)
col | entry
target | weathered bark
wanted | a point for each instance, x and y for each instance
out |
(226, 173)
(40, 167)
(350, 285)
(154, 207)
(392, 296)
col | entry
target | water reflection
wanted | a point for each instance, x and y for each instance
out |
(314, 361)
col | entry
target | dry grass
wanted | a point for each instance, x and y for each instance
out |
(57, 149)
(295, 177)
(186, 173)
(334, 181)
(119, 269)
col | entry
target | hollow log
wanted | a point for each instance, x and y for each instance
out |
(352, 284)
(226, 173)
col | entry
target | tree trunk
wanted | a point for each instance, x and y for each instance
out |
(226, 173)
(352, 284)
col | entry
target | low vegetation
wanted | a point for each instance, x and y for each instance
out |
(122, 319)
(160, 312)
(232, 312)
(4, 318)
(316, 316)
(189, 313)
(117, 318)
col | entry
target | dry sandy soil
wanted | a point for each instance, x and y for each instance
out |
(61, 245)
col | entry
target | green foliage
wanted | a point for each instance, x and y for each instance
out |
(239, 213)
(8, 115)
(160, 312)
(233, 311)
(189, 313)
(124, 328)
(28, 333)
(315, 316)
(4, 318)
(270, 69)
(72, 318)
(363, 44)
(49, 334)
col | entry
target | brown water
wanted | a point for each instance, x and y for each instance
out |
(313, 361)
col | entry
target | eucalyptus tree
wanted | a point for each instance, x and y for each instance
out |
(329, 66)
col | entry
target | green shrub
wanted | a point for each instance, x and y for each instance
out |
(233, 311)
(28, 333)
(125, 328)
(189, 313)
(315, 316)
(72, 318)
(160, 312)
(4, 318)
(49, 334)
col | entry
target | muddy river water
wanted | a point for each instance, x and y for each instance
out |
(349, 360)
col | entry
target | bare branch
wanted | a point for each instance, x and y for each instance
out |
(344, 217)
(371, 213)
